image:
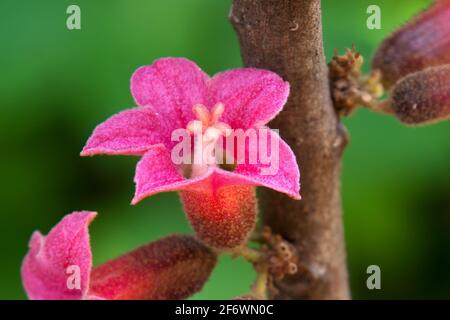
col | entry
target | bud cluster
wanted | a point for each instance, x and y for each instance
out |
(415, 65)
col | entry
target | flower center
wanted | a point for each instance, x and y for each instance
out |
(206, 129)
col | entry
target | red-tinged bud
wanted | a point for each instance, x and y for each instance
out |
(423, 97)
(174, 267)
(221, 218)
(423, 42)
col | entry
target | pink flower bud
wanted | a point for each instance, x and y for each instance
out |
(423, 97)
(422, 42)
(174, 267)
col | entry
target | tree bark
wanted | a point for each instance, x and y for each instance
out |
(285, 36)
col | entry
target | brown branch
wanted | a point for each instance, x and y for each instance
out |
(285, 36)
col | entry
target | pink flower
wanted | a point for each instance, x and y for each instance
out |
(44, 269)
(173, 94)
(59, 266)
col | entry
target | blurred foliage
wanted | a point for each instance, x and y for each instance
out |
(58, 84)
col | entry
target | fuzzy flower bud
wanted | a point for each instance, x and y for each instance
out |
(423, 42)
(423, 97)
(174, 267)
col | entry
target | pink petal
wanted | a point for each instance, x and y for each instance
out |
(156, 172)
(45, 272)
(251, 96)
(273, 166)
(172, 86)
(130, 132)
(282, 175)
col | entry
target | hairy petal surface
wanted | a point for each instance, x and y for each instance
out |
(130, 132)
(273, 166)
(45, 268)
(156, 172)
(250, 96)
(172, 86)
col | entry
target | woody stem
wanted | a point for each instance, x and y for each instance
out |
(285, 36)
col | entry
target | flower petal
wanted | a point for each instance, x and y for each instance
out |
(273, 166)
(130, 132)
(251, 96)
(266, 160)
(156, 172)
(172, 86)
(53, 259)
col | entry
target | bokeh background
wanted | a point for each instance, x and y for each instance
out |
(56, 85)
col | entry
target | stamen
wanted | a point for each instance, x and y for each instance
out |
(224, 128)
(202, 114)
(217, 112)
(212, 134)
(195, 126)
(207, 130)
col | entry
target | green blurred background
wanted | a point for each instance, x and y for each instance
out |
(57, 84)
